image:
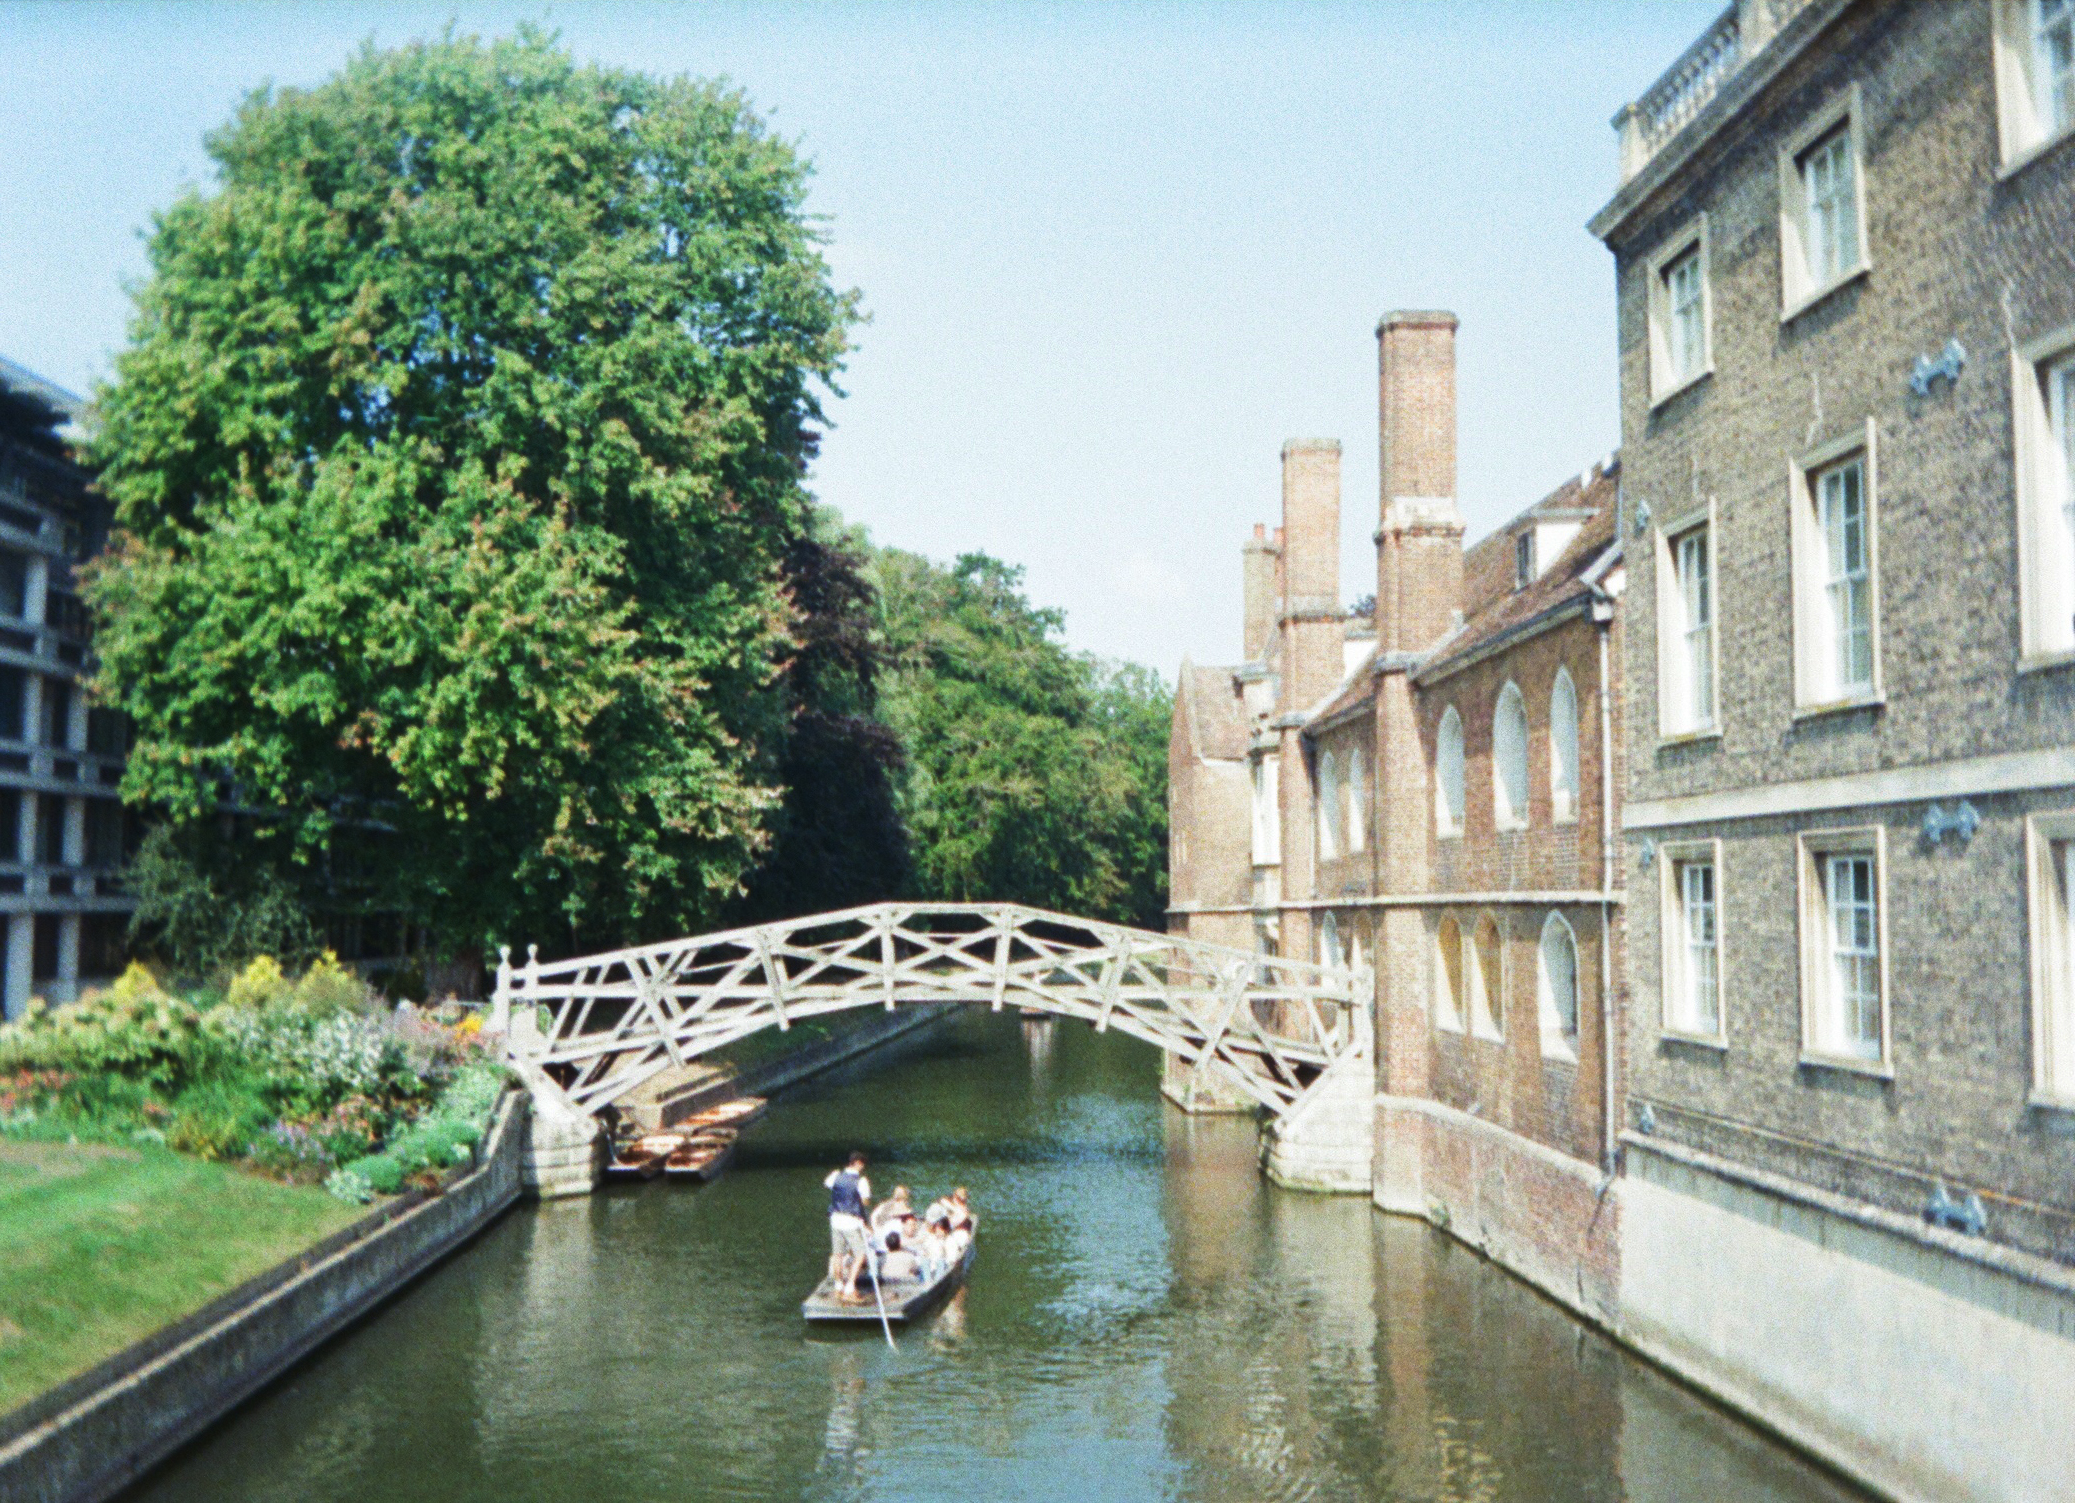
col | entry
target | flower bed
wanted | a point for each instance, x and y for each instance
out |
(306, 1080)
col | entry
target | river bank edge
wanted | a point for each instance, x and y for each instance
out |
(88, 1439)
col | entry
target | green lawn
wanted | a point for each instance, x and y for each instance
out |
(102, 1246)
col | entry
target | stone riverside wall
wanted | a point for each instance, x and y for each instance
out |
(87, 1440)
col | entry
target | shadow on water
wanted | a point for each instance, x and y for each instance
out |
(1146, 1320)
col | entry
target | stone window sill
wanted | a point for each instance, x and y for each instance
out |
(2034, 152)
(1823, 293)
(1679, 388)
(1845, 1064)
(1690, 738)
(2046, 662)
(1874, 701)
(1713, 1041)
(2045, 1101)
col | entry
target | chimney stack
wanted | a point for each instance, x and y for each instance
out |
(1310, 609)
(1419, 542)
(1257, 570)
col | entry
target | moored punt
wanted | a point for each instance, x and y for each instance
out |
(740, 1112)
(905, 1299)
(702, 1157)
(630, 1160)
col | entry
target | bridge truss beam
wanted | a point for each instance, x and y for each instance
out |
(584, 1032)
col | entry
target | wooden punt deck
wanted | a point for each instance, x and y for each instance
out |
(905, 1299)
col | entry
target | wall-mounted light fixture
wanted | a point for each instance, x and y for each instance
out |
(1948, 365)
(1963, 820)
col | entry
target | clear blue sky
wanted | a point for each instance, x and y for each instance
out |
(1114, 255)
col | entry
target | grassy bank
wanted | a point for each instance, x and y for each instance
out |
(100, 1246)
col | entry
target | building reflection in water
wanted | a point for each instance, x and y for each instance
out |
(1325, 1350)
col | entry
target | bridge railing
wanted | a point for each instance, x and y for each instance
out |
(600, 1025)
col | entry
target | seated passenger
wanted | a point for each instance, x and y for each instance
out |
(960, 1238)
(898, 1263)
(953, 1209)
(889, 1212)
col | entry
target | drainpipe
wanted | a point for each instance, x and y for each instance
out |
(1603, 618)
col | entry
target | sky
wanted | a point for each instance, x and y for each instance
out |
(1113, 255)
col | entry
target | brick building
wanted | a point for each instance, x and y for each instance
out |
(62, 828)
(1845, 252)
(1426, 790)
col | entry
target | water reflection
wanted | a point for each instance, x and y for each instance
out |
(1146, 1320)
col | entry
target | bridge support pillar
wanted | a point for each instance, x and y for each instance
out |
(565, 1146)
(1328, 1143)
(1201, 1093)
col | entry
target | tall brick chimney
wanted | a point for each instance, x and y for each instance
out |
(1419, 586)
(1419, 539)
(1310, 608)
(1312, 659)
(1257, 571)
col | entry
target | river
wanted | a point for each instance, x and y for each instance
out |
(1147, 1319)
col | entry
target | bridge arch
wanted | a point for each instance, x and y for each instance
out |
(1287, 1033)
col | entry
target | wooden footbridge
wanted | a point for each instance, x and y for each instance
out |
(585, 1032)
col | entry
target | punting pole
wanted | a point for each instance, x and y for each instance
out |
(879, 1294)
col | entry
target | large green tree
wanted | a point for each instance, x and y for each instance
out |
(1034, 774)
(457, 455)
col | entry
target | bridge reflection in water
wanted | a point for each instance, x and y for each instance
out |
(1148, 1319)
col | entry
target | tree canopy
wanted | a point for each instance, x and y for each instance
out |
(1033, 774)
(457, 458)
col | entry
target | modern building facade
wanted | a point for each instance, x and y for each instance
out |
(62, 825)
(1424, 786)
(1845, 251)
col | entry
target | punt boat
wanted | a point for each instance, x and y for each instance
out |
(642, 1157)
(701, 1157)
(740, 1112)
(905, 1298)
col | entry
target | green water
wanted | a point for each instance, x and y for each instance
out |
(1146, 1319)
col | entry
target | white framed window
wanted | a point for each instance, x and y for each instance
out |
(2043, 404)
(2035, 76)
(2050, 859)
(1844, 1011)
(1689, 923)
(1448, 976)
(1267, 811)
(1687, 659)
(1556, 988)
(1357, 799)
(1483, 973)
(1329, 947)
(1822, 206)
(1509, 760)
(1834, 538)
(1563, 748)
(1448, 774)
(1324, 797)
(1680, 312)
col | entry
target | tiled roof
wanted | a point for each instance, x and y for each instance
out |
(1502, 608)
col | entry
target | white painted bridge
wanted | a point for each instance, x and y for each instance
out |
(1288, 1034)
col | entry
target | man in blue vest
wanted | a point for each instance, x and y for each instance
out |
(849, 1245)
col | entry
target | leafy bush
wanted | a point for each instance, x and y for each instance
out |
(312, 1063)
(134, 1029)
(218, 1119)
(350, 1187)
(381, 1172)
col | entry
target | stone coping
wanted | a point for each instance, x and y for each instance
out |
(95, 1434)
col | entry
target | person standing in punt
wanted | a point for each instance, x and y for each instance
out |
(849, 1245)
